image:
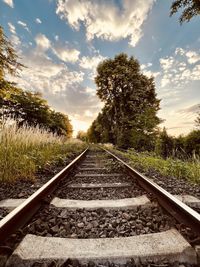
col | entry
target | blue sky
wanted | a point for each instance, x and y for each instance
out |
(62, 41)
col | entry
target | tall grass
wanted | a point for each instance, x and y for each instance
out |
(25, 150)
(146, 162)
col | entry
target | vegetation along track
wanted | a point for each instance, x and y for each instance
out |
(99, 211)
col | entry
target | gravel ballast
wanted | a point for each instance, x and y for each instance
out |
(173, 185)
(131, 263)
(105, 193)
(99, 223)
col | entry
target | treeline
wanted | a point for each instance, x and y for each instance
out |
(25, 107)
(182, 147)
(129, 116)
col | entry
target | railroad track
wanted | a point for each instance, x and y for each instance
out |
(98, 210)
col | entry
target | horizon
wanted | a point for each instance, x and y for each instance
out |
(62, 46)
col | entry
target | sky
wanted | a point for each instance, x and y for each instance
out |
(61, 43)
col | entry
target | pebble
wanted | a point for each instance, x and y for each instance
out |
(80, 225)
(99, 223)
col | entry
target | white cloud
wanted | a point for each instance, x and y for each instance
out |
(37, 20)
(103, 19)
(62, 52)
(193, 57)
(66, 54)
(43, 43)
(56, 37)
(14, 38)
(194, 109)
(11, 28)
(24, 25)
(178, 87)
(91, 62)
(180, 68)
(59, 85)
(147, 71)
(150, 73)
(9, 2)
(16, 42)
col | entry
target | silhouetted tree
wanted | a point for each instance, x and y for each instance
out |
(81, 135)
(130, 101)
(190, 9)
(165, 144)
(8, 57)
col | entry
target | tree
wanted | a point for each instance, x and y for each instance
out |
(60, 124)
(8, 57)
(8, 64)
(192, 143)
(190, 8)
(165, 144)
(24, 106)
(81, 135)
(30, 108)
(130, 99)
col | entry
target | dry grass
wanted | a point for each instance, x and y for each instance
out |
(25, 150)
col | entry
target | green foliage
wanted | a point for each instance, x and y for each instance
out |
(8, 58)
(81, 135)
(181, 147)
(128, 118)
(190, 9)
(60, 124)
(192, 143)
(25, 150)
(146, 162)
(29, 108)
(164, 145)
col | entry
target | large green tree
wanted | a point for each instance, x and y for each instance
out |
(60, 124)
(9, 64)
(25, 107)
(190, 9)
(8, 58)
(130, 101)
(165, 144)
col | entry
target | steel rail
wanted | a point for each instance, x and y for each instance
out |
(22, 214)
(179, 210)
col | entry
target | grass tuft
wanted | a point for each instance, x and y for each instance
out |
(146, 162)
(25, 150)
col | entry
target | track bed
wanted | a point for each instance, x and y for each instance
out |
(100, 203)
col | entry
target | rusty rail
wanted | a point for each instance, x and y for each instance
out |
(174, 206)
(22, 214)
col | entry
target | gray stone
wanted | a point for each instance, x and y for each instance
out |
(99, 185)
(169, 245)
(126, 203)
(92, 169)
(189, 200)
(98, 175)
(11, 203)
(197, 248)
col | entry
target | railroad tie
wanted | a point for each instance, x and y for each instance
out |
(125, 203)
(169, 245)
(98, 175)
(99, 185)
